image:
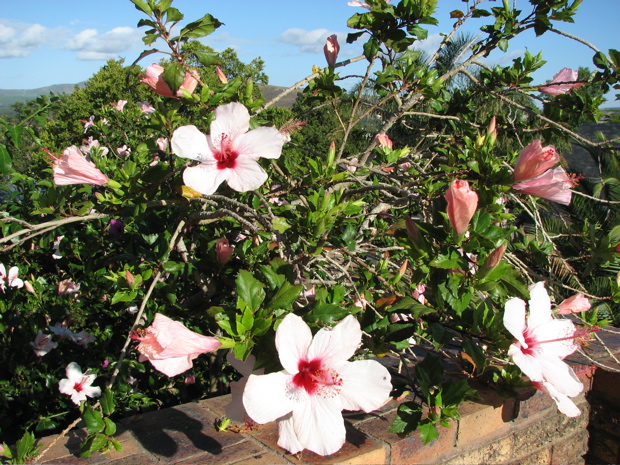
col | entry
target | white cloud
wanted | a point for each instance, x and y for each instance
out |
(91, 45)
(428, 45)
(6, 34)
(18, 40)
(308, 41)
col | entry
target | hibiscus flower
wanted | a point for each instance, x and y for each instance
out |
(10, 279)
(229, 153)
(541, 343)
(78, 385)
(170, 346)
(317, 383)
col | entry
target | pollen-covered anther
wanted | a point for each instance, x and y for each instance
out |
(329, 383)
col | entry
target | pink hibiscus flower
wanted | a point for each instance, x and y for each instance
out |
(170, 346)
(534, 160)
(553, 185)
(562, 83)
(43, 344)
(10, 279)
(462, 204)
(74, 168)
(229, 153)
(317, 383)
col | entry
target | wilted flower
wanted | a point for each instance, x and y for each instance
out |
(123, 151)
(384, 141)
(229, 153)
(61, 331)
(43, 344)
(462, 204)
(92, 146)
(575, 304)
(562, 83)
(162, 143)
(331, 50)
(119, 106)
(146, 108)
(73, 168)
(90, 122)
(78, 385)
(67, 286)
(10, 279)
(170, 346)
(553, 185)
(223, 250)
(534, 160)
(317, 383)
(154, 78)
(117, 227)
(83, 338)
(56, 255)
(418, 293)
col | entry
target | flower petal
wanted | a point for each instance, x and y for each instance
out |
(514, 318)
(247, 175)
(287, 439)
(319, 424)
(293, 337)
(267, 397)
(556, 329)
(205, 178)
(189, 142)
(172, 366)
(540, 306)
(565, 405)
(231, 120)
(365, 385)
(337, 345)
(74, 372)
(528, 364)
(265, 142)
(179, 341)
(562, 376)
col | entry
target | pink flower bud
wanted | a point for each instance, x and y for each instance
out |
(575, 304)
(462, 204)
(494, 257)
(223, 250)
(220, 75)
(29, 287)
(534, 160)
(129, 277)
(383, 140)
(331, 50)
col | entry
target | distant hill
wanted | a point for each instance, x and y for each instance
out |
(11, 96)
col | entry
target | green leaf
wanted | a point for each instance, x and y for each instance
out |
(124, 295)
(203, 27)
(429, 372)
(503, 45)
(280, 224)
(142, 6)
(110, 427)
(407, 418)
(174, 74)
(250, 290)
(285, 296)
(327, 313)
(107, 402)
(428, 432)
(93, 419)
(207, 59)
(6, 163)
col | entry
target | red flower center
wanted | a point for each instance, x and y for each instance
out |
(226, 157)
(78, 387)
(315, 379)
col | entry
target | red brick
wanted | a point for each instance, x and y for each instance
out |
(484, 418)
(357, 448)
(409, 449)
(539, 457)
(532, 402)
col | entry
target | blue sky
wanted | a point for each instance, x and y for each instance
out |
(44, 42)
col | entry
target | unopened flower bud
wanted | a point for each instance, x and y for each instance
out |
(223, 250)
(220, 75)
(494, 257)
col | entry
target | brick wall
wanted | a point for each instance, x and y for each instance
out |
(528, 430)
